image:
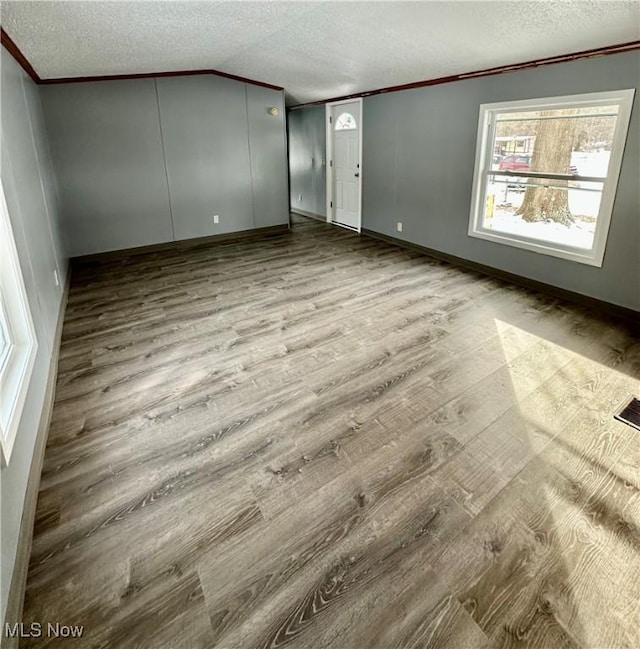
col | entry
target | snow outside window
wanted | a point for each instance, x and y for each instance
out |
(546, 173)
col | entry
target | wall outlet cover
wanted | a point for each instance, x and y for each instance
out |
(399, 226)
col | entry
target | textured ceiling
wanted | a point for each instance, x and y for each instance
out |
(315, 50)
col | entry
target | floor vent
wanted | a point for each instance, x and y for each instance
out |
(631, 414)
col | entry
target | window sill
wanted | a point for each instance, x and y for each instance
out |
(588, 257)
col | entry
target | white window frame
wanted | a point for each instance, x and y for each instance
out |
(17, 324)
(483, 163)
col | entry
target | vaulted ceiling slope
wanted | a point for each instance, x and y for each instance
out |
(315, 50)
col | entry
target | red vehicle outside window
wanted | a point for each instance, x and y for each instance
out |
(522, 162)
(515, 163)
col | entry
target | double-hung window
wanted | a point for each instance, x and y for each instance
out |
(547, 170)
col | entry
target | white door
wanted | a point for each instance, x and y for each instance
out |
(344, 130)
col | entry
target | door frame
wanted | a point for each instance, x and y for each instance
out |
(329, 159)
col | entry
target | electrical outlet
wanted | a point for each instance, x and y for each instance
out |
(56, 278)
(299, 198)
(399, 226)
(216, 218)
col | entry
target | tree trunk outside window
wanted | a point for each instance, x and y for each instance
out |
(551, 154)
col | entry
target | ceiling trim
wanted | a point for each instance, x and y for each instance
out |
(22, 60)
(14, 50)
(550, 60)
(155, 75)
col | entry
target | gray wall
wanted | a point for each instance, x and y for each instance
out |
(307, 151)
(147, 161)
(204, 126)
(30, 190)
(418, 163)
(107, 151)
(268, 153)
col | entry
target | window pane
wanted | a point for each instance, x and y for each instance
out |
(5, 340)
(559, 141)
(4, 346)
(549, 210)
(346, 122)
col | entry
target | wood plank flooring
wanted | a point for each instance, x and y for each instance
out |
(321, 441)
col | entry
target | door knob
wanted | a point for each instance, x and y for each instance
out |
(357, 174)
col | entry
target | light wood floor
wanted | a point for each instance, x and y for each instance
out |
(317, 440)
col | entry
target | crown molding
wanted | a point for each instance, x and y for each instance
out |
(619, 48)
(156, 75)
(14, 50)
(526, 65)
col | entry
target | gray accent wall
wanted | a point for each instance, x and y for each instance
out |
(107, 151)
(418, 163)
(307, 151)
(268, 154)
(147, 161)
(204, 127)
(31, 193)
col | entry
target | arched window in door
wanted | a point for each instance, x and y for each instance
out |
(346, 122)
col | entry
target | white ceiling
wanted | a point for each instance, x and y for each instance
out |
(315, 50)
